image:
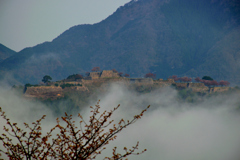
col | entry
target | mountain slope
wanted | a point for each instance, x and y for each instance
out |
(5, 52)
(223, 59)
(166, 37)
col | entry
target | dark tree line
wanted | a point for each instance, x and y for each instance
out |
(207, 80)
(181, 79)
(150, 75)
(212, 82)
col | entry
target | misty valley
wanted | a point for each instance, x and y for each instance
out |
(77, 91)
(155, 80)
(185, 120)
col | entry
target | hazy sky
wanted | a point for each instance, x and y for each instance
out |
(25, 23)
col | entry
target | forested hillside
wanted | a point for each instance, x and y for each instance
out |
(165, 37)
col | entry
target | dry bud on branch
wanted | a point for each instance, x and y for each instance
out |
(83, 141)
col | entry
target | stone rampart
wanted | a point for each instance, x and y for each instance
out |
(94, 75)
(196, 87)
(44, 92)
(108, 74)
(220, 89)
(140, 80)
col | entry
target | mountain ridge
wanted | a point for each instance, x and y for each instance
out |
(166, 37)
(5, 52)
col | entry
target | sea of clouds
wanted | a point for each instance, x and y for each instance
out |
(169, 130)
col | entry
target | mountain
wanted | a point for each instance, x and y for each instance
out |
(166, 37)
(5, 52)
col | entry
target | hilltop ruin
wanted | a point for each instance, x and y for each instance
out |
(58, 89)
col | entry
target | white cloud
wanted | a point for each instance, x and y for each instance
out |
(169, 130)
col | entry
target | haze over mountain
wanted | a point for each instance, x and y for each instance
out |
(166, 37)
(5, 52)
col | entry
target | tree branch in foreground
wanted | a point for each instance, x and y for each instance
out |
(84, 142)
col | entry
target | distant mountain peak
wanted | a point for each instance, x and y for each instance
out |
(5, 52)
(164, 37)
(132, 2)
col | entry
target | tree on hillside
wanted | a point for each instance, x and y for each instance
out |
(210, 83)
(120, 74)
(114, 71)
(207, 78)
(126, 75)
(78, 76)
(96, 69)
(85, 140)
(174, 77)
(150, 75)
(185, 79)
(198, 79)
(223, 83)
(46, 78)
(181, 79)
(75, 77)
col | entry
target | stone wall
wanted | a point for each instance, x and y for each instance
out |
(220, 89)
(141, 80)
(94, 75)
(181, 85)
(71, 82)
(101, 80)
(196, 87)
(52, 92)
(44, 92)
(169, 80)
(108, 74)
(164, 83)
(103, 74)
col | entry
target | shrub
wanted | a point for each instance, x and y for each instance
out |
(150, 75)
(66, 85)
(75, 77)
(207, 78)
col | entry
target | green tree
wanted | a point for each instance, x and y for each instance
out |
(75, 77)
(46, 78)
(96, 69)
(150, 75)
(207, 78)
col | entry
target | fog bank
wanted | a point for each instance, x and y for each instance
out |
(169, 130)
